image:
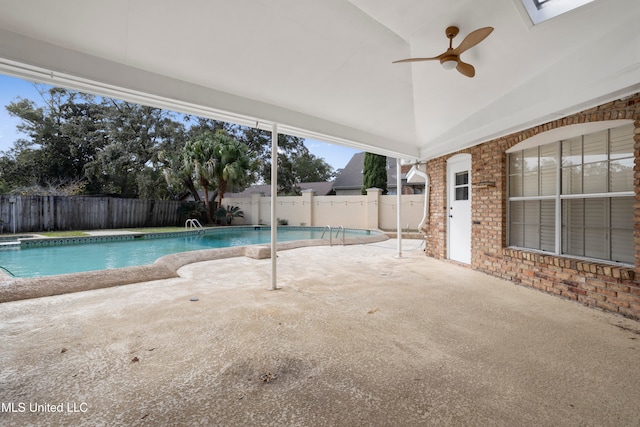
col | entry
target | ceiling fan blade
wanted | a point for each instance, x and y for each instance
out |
(418, 59)
(473, 39)
(466, 69)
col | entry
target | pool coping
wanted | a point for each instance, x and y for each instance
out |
(165, 267)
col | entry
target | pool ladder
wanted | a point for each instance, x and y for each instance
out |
(193, 223)
(328, 227)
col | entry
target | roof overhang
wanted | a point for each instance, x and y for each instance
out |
(323, 70)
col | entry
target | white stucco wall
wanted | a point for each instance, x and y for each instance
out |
(372, 211)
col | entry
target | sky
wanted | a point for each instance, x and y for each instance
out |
(12, 88)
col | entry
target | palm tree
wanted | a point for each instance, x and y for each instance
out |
(231, 163)
(217, 159)
(198, 155)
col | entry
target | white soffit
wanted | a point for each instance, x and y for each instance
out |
(323, 69)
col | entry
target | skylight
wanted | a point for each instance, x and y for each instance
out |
(542, 10)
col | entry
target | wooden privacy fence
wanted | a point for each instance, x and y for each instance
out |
(47, 213)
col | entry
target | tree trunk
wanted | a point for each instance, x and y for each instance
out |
(188, 182)
(207, 206)
(222, 188)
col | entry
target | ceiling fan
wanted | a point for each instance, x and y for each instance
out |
(451, 58)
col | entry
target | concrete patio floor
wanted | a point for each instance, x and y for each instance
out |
(354, 337)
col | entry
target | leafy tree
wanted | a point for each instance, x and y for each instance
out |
(109, 146)
(151, 184)
(171, 140)
(56, 188)
(19, 168)
(259, 144)
(374, 174)
(192, 210)
(63, 134)
(201, 125)
(286, 177)
(178, 173)
(309, 168)
(128, 162)
(113, 145)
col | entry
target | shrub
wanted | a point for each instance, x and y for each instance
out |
(227, 214)
(192, 210)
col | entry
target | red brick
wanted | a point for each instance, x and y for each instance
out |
(606, 292)
(593, 283)
(628, 297)
(618, 288)
(607, 306)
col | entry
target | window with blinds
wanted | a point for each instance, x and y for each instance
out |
(575, 196)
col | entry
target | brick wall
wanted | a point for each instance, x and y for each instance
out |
(436, 227)
(606, 286)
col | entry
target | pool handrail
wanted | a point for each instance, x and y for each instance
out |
(328, 227)
(324, 231)
(193, 223)
(338, 232)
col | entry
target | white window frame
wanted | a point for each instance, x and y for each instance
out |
(550, 138)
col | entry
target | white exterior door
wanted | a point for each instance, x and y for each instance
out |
(459, 208)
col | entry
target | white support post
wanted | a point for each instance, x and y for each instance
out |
(399, 203)
(274, 196)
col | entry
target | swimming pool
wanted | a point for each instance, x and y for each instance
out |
(48, 257)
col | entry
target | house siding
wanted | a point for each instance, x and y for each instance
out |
(606, 286)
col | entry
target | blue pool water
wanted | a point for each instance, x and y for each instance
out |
(52, 260)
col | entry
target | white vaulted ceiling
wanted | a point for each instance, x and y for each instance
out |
(323, 69)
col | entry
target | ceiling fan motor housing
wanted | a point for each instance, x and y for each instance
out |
(452, 31)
